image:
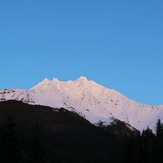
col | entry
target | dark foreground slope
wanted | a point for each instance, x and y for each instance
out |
(54, 135)
(39, 134)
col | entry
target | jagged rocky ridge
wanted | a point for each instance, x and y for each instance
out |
(90, 100)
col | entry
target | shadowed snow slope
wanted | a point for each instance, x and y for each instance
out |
(90, 100)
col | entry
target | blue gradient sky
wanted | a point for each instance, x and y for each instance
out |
(118, 44)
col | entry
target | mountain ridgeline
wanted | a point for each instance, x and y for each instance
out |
(90, 100)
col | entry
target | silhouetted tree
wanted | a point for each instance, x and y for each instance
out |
(10, 145)
(147, 144)
(36, 150)
(159, 141)
(159, 129)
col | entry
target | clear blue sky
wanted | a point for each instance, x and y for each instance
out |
(118, 44)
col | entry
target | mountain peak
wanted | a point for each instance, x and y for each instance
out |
(56, 80)
(82, 78)
(46, 80)
(88, 99)
(43, 83)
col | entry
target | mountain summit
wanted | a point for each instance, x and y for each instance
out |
(90, 100)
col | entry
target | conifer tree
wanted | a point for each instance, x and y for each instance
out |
(148, 144)
(10, 145)
(36, 147)
(158, 129)
(159, 140)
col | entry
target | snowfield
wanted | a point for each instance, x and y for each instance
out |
(89, 99)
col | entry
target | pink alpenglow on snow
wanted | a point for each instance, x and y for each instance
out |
(90, 100)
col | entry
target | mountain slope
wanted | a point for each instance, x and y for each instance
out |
(88, 99)
(52, 135)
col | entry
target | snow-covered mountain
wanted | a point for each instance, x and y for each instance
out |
(90, 100)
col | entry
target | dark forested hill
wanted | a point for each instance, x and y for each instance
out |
(39, 134)
(62, 136)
